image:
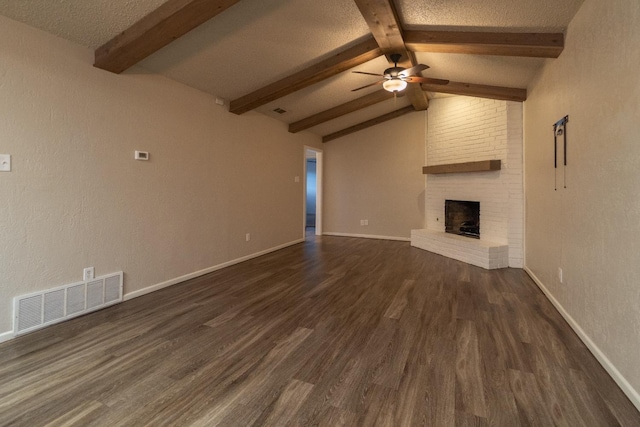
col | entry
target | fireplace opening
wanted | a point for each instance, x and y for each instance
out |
(462, 217)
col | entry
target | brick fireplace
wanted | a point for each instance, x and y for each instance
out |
(463, 129)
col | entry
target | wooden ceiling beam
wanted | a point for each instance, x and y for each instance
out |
(369, 123)
(383, 21)
(384, 24)
(479, 91)
(335, 112)
(539, 45)
(416, 95)
(337, 63)
(170, 21)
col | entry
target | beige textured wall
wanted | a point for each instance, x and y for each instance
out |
(76, 198)
(590, 228)
(376, 174)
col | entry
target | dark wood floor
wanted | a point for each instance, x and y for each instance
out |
(336, 331)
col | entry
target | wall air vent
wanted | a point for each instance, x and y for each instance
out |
(30, 311)
(53, 305)
(40, 309)
(279, 110)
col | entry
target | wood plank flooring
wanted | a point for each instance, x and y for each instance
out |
(333, 332)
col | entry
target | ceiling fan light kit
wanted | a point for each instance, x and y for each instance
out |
(394, 85)
(396, 79)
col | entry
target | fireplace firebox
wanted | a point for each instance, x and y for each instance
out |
(462, 217)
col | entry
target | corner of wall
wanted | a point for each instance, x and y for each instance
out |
(515, 182)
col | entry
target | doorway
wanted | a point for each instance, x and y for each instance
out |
(312, 191)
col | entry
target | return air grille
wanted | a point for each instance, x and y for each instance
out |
(112, 289)
(95, 293)
(75, 299)
(53, 305)
(35, 311)
(31, 311)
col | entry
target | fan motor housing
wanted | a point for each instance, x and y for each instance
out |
(393, 71)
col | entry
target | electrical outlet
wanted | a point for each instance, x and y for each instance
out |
(366, 222)
(5, 163)
(88, 273)
(560, 274)
(247, 237)
(362, 222)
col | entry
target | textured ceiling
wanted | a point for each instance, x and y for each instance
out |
(514, 15)
(256, 42)
(90, 23)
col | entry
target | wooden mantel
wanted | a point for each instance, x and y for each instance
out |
(482, 166)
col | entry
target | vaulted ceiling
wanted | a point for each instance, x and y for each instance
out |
(297, 55)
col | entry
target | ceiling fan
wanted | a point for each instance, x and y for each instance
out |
(396, 78)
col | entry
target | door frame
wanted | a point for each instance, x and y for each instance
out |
(318, 153)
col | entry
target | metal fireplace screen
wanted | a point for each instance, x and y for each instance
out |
(462, 217)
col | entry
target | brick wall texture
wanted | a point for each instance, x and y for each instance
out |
(463, 129)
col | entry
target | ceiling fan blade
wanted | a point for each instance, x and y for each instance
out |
(413, 70)
(369, 74)
(415, 79)
(369, 85)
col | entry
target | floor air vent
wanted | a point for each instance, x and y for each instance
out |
(37, 310)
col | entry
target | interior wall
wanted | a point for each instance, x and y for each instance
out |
(376, 175)
(589, 228)
(76, 197)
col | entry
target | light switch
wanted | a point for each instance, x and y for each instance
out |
(5, 162)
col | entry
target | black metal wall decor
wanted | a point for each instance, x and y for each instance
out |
(560, 129)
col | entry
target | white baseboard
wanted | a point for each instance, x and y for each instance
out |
(6, 336)
(622, 382)
(157, 287)
(368, 236)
